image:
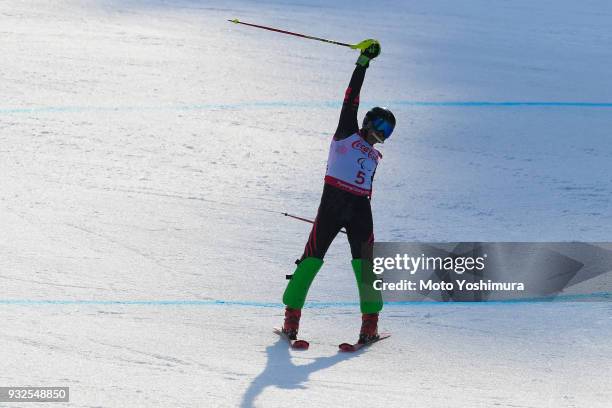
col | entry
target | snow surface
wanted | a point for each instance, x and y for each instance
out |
(148, 147)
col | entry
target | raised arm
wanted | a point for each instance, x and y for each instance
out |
(348, 124)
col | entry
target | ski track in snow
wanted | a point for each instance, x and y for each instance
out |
(148, 148)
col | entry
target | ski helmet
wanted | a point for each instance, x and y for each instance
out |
(381, 119)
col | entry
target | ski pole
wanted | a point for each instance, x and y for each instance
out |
(360, 46)
(304, 219)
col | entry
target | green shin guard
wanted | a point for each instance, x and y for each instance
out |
(297, 289)
(370, 299)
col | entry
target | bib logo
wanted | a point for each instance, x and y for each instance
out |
(342, 149)
(365, 164)
(359, 145)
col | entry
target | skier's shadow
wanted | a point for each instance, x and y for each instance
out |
(282, 373)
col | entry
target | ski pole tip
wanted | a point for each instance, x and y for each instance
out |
(235, 21)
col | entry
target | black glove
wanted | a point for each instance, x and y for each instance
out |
(370, 49)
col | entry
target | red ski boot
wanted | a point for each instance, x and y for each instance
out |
(369, 328)
(292, 322)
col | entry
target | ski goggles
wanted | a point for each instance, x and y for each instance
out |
(383, 126)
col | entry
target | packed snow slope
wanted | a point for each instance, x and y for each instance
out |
(149, 147)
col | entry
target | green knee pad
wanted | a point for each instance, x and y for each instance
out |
(297, 289)
(370, 299)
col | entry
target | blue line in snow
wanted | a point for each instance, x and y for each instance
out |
(602, 296)
(508, 103)
(287, 104)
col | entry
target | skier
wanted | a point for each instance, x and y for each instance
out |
(345, 202)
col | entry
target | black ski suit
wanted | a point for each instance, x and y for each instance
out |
(340, 208)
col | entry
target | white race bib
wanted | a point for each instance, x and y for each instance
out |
(351, 165)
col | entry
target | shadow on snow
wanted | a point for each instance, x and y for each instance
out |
(280, 371)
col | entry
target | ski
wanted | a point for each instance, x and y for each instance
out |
(297, 344)
(350, 348)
